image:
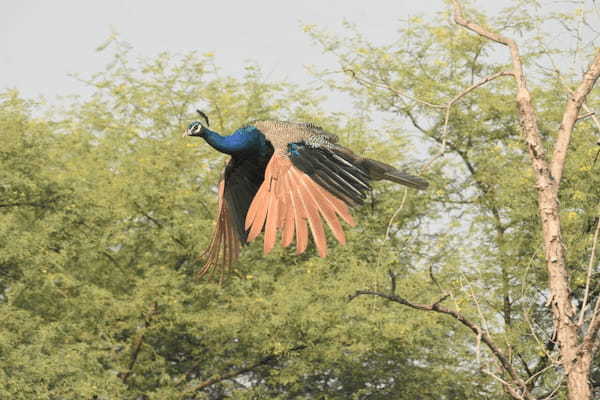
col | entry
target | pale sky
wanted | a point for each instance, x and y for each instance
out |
(42, 41)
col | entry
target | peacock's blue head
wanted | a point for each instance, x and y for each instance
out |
(197, 128)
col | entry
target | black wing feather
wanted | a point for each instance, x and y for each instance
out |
(243, 177)
(345, 180)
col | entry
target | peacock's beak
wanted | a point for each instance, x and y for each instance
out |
(188, 132)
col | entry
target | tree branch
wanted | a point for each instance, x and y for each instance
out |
(366, 83)
(476, 329)
(219, 378)
(586, 115)
(138, 344)
(461, 20)
(589, 273)
(576, 363)
(590, 341)
(570, 117)
(449, 105)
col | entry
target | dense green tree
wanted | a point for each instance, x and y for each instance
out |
(104, 210)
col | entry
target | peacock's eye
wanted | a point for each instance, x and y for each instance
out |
(195, 127)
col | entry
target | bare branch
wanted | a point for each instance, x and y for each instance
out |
(586, 115)
(461, 20)
(593, 115)
(590, 341)
(589, 273)
(481, 333)
(570, 117)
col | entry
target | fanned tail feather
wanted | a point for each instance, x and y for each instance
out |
(378, 170)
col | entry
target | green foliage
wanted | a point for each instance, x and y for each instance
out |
(484, 182)
(104, 211)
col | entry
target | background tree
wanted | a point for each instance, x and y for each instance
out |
(456, 92)
(104, 210)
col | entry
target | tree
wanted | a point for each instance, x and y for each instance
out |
(447, 83)
(104, 210)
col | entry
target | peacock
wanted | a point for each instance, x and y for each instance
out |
(286, 178)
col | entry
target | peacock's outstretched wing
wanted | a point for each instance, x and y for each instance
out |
(310, 180)
(306, 185)
(291, 203)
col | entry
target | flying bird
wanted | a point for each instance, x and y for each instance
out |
(286, 178)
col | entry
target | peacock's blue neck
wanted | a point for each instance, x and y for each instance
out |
(244, 140)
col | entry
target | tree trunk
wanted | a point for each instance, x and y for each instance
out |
(575, 357)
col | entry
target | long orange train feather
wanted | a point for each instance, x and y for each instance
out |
(289, 224)
(316, 226)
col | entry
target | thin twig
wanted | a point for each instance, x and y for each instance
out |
(589, 273)
(553, 392)
(264, 361)
(448, 107)
(538, 373)
(477, 349)
(389, 227)
(391, 89)
(509, 388)
(393, 276)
